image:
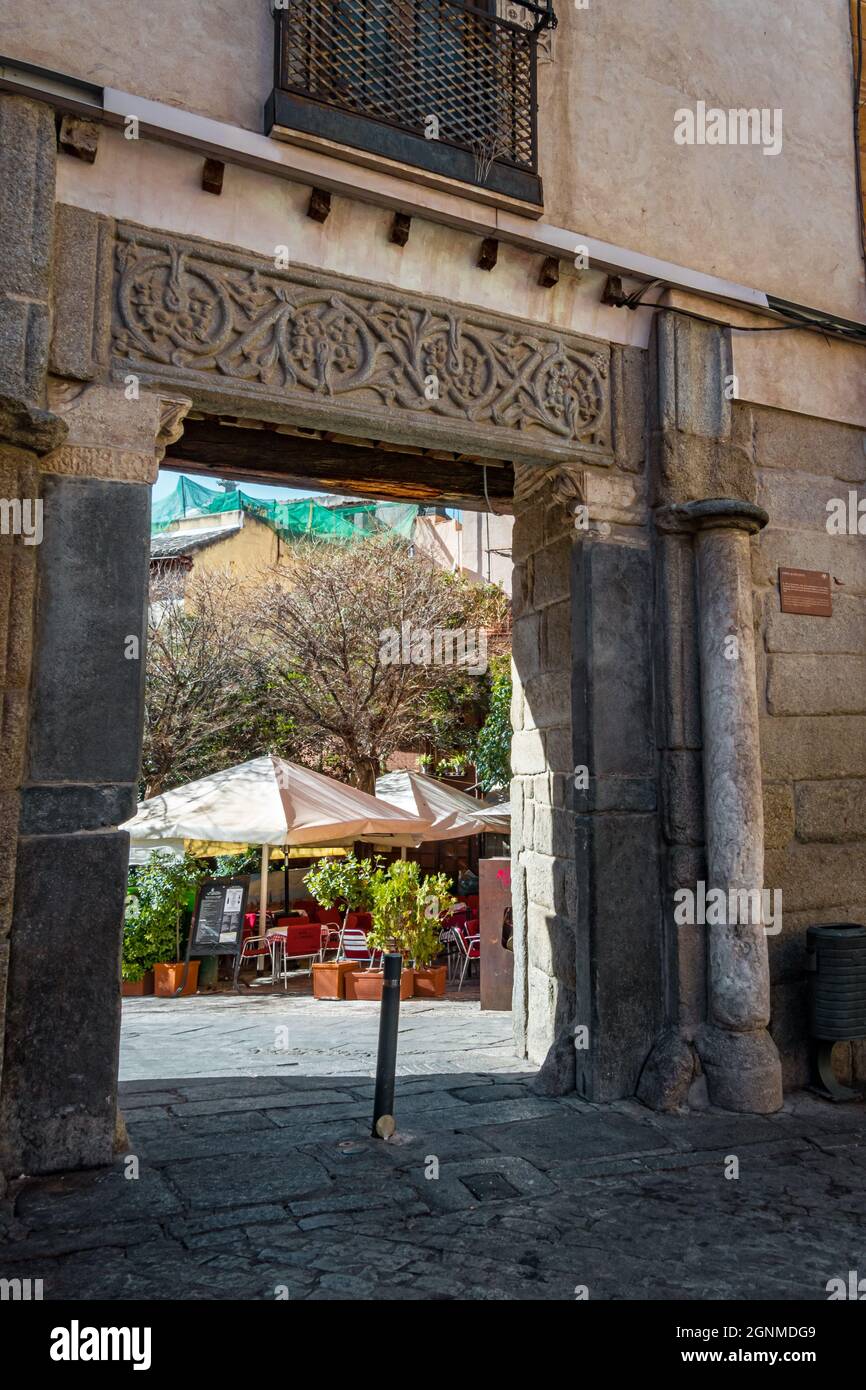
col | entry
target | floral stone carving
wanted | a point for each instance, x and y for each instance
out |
(195, 314)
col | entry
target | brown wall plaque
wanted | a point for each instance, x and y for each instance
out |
(806, 591)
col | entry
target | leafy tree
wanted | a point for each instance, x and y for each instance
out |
(322, 660)
(248, 861)
(346, 882)
(208, 704)
(345, 628)
(492, 752)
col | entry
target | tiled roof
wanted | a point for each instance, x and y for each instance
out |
(170, 543)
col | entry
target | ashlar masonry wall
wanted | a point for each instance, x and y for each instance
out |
(812, 699)
(588, 998)
(543, 877)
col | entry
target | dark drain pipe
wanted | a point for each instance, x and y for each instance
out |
(386, 1061)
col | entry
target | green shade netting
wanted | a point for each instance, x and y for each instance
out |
(291, 520)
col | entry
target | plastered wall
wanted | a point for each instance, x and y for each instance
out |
(787, 224)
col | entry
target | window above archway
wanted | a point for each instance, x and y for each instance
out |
(435, 85)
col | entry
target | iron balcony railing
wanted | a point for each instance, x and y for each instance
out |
(450, 74)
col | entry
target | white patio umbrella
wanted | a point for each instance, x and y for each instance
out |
(269, 802)
(497, 810)
(451, 814)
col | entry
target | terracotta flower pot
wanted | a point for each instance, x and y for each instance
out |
(430, 982)
(167, 978)
(134, 989)
(367, 984)
(329, 978)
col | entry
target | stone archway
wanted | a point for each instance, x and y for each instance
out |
(124, 332)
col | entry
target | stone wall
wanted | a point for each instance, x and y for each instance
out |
(542, 820)
(73, 586)
(27, 431)
(812, 693)
(585, 840)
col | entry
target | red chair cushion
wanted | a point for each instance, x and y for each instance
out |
(329, 916)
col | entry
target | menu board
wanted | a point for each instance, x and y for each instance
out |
(217, 928)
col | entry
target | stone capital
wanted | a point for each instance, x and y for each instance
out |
(712, 513)
(110, 436)
(566, 483)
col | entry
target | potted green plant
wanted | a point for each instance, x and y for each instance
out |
(406, 910)
(454, 767)
(434, 898)
(347, 884)
(158, 914)
(368, 984)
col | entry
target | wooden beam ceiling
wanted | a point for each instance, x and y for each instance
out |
(313, 461)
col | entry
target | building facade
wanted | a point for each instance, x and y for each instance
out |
(605, 275)
(236, 543)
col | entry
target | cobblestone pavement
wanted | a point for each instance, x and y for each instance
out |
(269, 1185)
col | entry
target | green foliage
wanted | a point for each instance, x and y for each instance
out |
(406, 910)
(158, 910)
(454, 766)
(450, 713)
(492, 754)
(345, 883)
(249, 861)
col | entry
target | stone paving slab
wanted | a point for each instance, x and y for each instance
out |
(270, 1185)
(605, 1197)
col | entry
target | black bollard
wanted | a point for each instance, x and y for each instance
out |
(386, 1061)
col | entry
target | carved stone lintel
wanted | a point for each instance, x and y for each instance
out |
(316, 349)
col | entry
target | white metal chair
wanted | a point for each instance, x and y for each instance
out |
(253, 948)
(330, 939)
(354, 947)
